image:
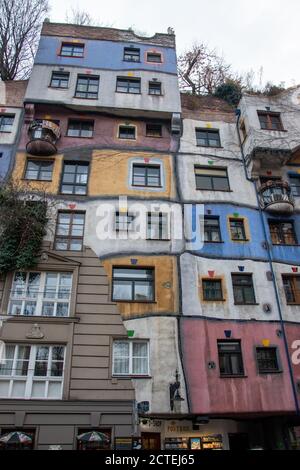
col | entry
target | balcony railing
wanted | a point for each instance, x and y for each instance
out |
(276, 196)
(43, 136)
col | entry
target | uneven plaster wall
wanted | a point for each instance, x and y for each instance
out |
(168, 102)
(162, 333)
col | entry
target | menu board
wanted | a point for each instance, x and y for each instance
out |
(123, 443)
(177, 443)
(212, 442)
(195, 443)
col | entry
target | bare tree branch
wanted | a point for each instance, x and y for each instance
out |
(20, 24)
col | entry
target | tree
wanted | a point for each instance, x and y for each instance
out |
(201, 70)
(20, 24)
(79, 17)
(230, 91)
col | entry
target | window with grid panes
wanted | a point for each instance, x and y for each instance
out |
(230, 358)
(243, 290)
(130, 357)
(270, 121)
(128, 85)
(212, 289)
(32, 371)
(158, 226)
(124, 222)
(133, 284)
(282, 233)
(153, 130)
(208, 138)
(72, 49)
(87, 87)
(75, 178)
(267, 360)
(154, 88)
(291, 286)
(69, 231)
(154, 57)
(39, 170)
(295, 184)
(60, 79)
(131, 54)
(6, 122)
(146, 175)
(127, 132)
(40, 293)
(215, 179)
(78, 128)
(212, 231)
(237, 229)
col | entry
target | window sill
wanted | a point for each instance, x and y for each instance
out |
(71, 56)
(5, 132)
(77, 137)
(214, 300)
(221, 241)
(214, 190)
(128, 92)
(242, 376)
(274, 130)
(270, 372)
(158, 137)
(82, 98)
(135, 301)
(146, 187)
(58, 87)
(241, 241)
(37, 180)
(210, 146)
(133, 376)
(254, 303)
(158, 239)
(132, 61)
(42, 319)
(293, 304)
(155, 94)
(128, 138)
(285, 244)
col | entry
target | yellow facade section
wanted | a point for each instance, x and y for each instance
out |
(110, 174)
(18, 173)
(165, 281)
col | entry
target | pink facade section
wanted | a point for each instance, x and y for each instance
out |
(254, 393)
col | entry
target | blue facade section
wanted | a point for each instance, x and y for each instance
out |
(5, 159)
(254, 248)
(104, 55)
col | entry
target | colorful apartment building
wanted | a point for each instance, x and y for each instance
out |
(163, 310)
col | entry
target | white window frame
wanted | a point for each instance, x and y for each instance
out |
(30, 378)
(130, 372)
(39, 298)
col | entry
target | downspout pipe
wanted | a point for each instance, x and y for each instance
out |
(282, 324)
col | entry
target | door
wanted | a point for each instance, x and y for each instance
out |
(151, 441)
(238, 441)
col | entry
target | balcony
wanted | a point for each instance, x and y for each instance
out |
(276, 197)
(43, 136)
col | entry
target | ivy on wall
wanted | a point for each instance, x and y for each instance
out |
(23, 220)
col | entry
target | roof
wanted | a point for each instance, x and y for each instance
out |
(14, 92)
(206, 107)
(106, 34)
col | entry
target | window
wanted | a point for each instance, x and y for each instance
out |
(128, 85)
(133, 284)
(295, 185)
(39, 170)
(6, 122)
(212, 231)
(87, 87)
(267, 360)
(146, 175)
(212, 289)
(80, 128)
(75, 178)
(154, 57)
(153, 130)
(60, 80)
(282, 233)
(230, 358)
(131, 54)
(69, 231)
(237, 229)
(154, 88)
(243, 290)
(40, 293)
(291, 286)
(158, 226)
(127, 132)
(130, 357)
(124, 222)
(208, 138)
(72, 49)
(32, 371)
(215, 179)
(243, 130)
(270, 121)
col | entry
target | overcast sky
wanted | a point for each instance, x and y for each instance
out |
(249, 34)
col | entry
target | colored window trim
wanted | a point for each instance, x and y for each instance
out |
(72, 49)
(246, 229)
(127, 280)
(69, 231)
(268, 359)
(209, 178)
(212, 289)
(127, 132)
(36, 170)
(291, 285)
(230, 358)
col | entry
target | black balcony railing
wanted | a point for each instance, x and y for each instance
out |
(43, 136)
(276, 196)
